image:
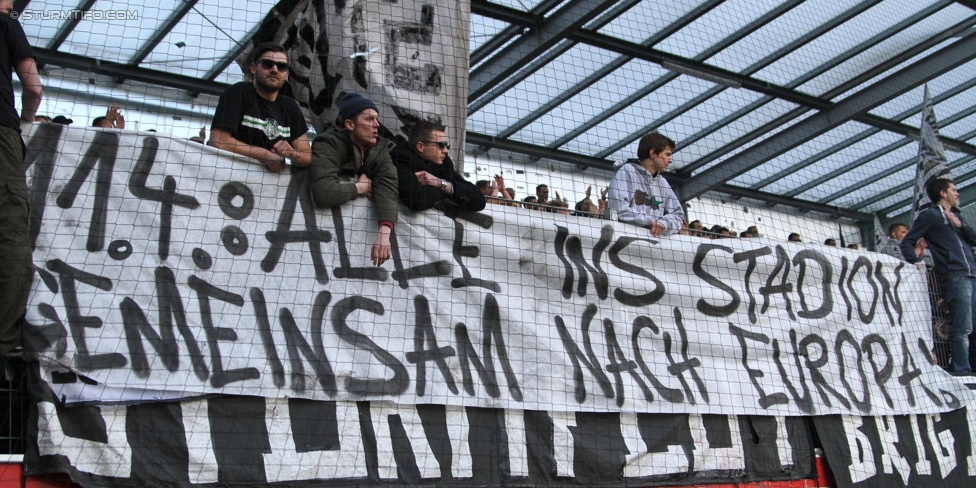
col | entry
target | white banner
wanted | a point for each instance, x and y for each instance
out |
(168, 269)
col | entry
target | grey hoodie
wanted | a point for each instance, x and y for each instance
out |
(641, 198)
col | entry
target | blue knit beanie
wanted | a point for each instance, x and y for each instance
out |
(351, 104)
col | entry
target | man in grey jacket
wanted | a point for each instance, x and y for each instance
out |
(640, 194)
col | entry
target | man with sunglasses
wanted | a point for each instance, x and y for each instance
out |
(426, 173)
(254, 120)
(352, 161)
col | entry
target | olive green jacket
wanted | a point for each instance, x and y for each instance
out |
(334, 157)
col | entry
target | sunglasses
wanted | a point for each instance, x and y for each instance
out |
(268, 64)
(441, 145)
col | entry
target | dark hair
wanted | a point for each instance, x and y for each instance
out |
(541, 186)
(421, 132)
(653, 141)
(530, 199)
(830, 241)
(482, 184)
(892, 227)
(97, 122)
(936, 187)
(266, 47)
(792, 234)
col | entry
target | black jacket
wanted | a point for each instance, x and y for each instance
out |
(417, 197)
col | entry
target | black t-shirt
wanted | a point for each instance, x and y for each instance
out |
(256, 121)
(15, 48)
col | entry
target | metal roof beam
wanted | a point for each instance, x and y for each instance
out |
(490, 10)
(125, 71)
(944, 60)
(819, 70)
(967, 194)
(903, 186)
(823, 102)
(891, 170)
(536, 151)
(749, 71)
(848, 167)
(162, 31)
(516, 17)
(69, 26)
(599, 74)
(574, 15)
(676, 64)
(538, 63)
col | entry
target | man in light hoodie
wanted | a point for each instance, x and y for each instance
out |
(640, 194)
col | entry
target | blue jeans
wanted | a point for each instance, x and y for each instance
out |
(960, 295)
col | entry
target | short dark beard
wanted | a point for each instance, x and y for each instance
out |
(264, 85)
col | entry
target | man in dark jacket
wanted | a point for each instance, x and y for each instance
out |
(354, 161)
(426, 173)
(949, 238)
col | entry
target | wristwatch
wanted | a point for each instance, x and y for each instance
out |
(444, 184)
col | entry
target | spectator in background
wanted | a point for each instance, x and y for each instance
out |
(745, 233)
(42, 118)
(112, 119)
(542, 194)
(896, 232)
(16, 267)
(640, 194)
(529, 202)
(495, 191)
(426, 173)
(61, 119)
(794, 237)
(511, 194)
(853, 246)
(830, 242)
(753, 230)
(352, 161)
(254, 120)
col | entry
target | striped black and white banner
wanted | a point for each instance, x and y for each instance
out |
(236, 440)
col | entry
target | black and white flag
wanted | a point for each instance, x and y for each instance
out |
(931, 157)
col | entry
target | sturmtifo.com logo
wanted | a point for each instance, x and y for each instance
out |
(74, 14)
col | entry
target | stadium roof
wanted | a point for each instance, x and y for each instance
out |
(814, 104)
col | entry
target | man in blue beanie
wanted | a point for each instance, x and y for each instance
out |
(352, 161)
(254, 120)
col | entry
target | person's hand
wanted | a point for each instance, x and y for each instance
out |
(114, 118)
(952, 218)
(427, 179)
(364, 186)
(920, 247)
(381, 248)
(657, 228)
(203, 133)
(284, 149)
(499, 183)
(274, 162)
(604, 192)
(589, 190)
(558, 198)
